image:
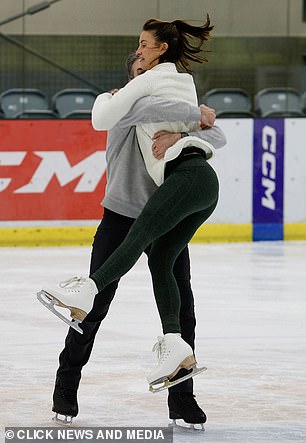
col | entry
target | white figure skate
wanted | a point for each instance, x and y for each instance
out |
(76, 294)
(173, 354)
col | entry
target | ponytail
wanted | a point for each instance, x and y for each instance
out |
(184, 41)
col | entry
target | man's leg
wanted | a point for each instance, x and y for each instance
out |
(76, 353)
(181, 401)
(181, 272)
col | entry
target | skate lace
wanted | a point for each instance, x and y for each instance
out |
(161, 349)
(74, 282)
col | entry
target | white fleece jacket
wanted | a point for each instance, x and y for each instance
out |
(164, 81)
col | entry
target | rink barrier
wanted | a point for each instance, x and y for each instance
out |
(47, 236)
(295, 231)
(51, 187)
(83, 235)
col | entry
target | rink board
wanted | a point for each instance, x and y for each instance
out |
(83, 235)
(52, 182)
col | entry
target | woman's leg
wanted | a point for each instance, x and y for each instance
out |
(191, 187)
(163, 254)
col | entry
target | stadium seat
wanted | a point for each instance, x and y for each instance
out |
(70, 101)
(36, 114)
(304, 102)
(229, 102)
(15, 101)
(278, 102)
(77, 115)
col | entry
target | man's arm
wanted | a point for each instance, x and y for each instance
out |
(153, 109)
(156, 109)
(215, 136)
(164, 139)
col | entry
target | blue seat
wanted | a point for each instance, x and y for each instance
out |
(278, 102)
(229, 102)
(68, 102)
(17, 100)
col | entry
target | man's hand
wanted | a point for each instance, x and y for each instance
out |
(208, 117)
(162, 140)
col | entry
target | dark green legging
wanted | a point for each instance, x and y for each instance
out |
(170, 218)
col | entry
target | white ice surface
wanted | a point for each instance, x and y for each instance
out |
(251, 334)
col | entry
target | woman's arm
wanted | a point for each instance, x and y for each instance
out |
(108, 109)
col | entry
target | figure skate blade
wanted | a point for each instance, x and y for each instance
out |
(50, 302)
(65, 421)
(182, 425)
(168, 383)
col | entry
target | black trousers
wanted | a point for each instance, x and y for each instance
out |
(76, 353)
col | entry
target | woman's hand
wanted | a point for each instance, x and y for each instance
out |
(162, 140)
(208, 117)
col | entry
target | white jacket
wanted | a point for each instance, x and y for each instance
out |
(164, 81)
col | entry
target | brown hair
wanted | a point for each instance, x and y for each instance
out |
(178, 34)
(131, 59)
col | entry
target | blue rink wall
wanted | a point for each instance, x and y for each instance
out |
(262, 173)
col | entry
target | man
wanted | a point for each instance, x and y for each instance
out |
(128, 188)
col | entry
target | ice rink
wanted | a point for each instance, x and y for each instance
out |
(251, 335)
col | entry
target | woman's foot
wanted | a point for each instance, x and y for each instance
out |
(173, 354)
(76, 294)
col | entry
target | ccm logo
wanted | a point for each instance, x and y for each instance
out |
(55, 164)
(268, 167)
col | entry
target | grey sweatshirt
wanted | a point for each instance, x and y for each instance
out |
(129, 185)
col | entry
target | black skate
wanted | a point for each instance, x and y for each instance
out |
(65, 405)
(183, 405)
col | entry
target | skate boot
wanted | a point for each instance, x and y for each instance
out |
(173, 354)
(183, 405)
(76, 294)
(65, 405)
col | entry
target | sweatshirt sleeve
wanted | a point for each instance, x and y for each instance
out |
(153, 109)
(215, 136)
(108, 109)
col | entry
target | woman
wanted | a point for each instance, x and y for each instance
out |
(187, 193)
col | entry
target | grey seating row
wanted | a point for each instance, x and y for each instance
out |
(27, 103)
(267, 103)
(228, 102)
